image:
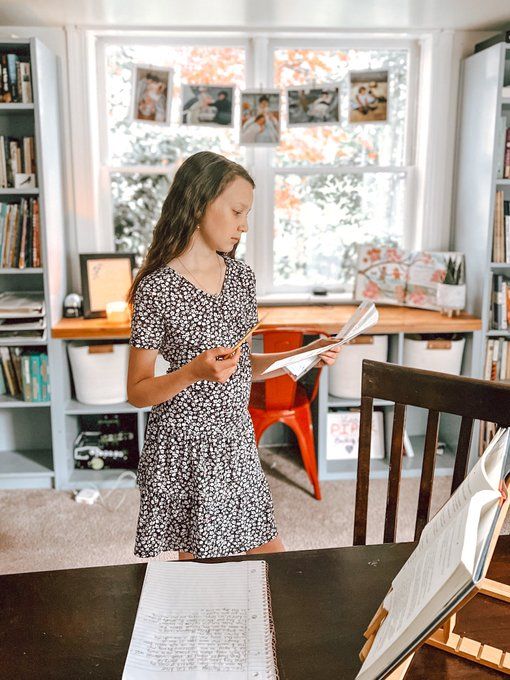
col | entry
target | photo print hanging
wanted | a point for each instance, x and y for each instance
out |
(313, 105)
(368, 94)
(207, 105)
(260, 118)
(151, 94)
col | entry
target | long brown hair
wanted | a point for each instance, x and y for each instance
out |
(199, 181)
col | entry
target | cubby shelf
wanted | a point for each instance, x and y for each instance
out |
(29, 468)
(74, 407)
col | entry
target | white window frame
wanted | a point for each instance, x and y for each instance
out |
(94, 221)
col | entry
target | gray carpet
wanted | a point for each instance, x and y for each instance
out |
(46, 529)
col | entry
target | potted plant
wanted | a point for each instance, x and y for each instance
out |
(451, 292)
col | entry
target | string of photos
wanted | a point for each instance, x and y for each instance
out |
(259, 125)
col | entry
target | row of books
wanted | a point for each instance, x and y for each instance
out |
(24, 374)
(15, 81)
(501, 235)
(17, 157)
(500, 303)
(497, 359)
(22, 316)
(20, 237)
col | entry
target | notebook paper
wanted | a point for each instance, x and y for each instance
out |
(203, 622)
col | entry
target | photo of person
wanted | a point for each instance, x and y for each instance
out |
(152, 94)
(260, 118)
(368, 97)
(207, 105)
(313, 105)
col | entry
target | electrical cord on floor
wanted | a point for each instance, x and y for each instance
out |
(91, 492)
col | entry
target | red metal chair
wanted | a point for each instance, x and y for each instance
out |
(284, 400)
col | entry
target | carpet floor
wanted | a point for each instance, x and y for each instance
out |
(46, 529)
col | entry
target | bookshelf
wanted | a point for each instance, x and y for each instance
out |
(479, 177)
(27, 428)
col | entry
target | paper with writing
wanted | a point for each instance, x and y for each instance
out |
(202, 622)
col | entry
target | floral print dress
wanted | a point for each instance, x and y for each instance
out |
(202, 488)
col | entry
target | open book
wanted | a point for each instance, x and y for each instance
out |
(452, 556)
(365, 316)
(203, 622)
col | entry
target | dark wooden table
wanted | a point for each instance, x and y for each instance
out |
(77, 623)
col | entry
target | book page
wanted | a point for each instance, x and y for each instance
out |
(202, 621)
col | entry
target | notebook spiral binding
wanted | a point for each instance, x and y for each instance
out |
(271, 639)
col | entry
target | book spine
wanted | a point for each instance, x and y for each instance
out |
(45, 383)
(495, 359)
(26, 377)
(488, 359)
(496, 301)
(34, 376)
(3, 386)
(7, 97)
(12, 60)
(507, 155)
(26, 83)
(36, 247)
(504, 295)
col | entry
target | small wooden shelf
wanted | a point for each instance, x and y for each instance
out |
(74, 408)
(31, 468)
(7, 401)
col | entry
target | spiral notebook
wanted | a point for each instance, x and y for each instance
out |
(203, 622)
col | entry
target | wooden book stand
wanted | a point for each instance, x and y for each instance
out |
(444, 637)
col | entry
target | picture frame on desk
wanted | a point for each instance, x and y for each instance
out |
(105, 277)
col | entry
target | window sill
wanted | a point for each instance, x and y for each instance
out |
(289, 299)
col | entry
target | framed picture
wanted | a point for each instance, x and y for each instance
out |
(260, 118)
(151, 97)
(313, 105)
(368, 97)
(207, 105)
(105, 277)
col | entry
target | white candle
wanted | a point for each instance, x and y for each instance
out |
(117, 312)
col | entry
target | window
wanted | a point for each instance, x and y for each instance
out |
(319, 193)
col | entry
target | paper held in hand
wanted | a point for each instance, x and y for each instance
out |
(296, 366)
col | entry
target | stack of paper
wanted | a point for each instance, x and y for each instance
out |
(296, 366)
(22, 315)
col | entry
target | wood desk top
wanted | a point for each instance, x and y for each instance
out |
(78, 622)
(325, 318)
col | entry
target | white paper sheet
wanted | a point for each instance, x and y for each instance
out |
(202, 622)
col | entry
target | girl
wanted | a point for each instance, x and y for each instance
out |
(202, 488)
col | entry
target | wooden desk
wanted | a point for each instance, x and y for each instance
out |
(77, 623)
(326, 318)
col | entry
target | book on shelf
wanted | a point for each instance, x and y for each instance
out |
(17, 155)
(203, 621)
(396, 276)
(501, 230)
(19, 234)
(500, 307)
(16, 80)
(24, 374)
(450, 560)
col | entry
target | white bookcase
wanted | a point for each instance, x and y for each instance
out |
(27, 429)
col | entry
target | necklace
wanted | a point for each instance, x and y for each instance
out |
(194, 277)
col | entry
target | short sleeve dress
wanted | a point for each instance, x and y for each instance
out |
(202, 488)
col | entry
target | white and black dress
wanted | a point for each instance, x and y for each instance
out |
(202, 488)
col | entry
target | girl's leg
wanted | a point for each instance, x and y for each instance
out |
(274, 545)
(186, 555)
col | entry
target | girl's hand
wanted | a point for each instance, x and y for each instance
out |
(330, 356)
(206, 366)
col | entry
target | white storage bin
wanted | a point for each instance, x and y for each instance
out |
(343, 435)
(345, 374)
(442, 355)
(99, 372)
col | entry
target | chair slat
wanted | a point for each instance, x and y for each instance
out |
(462, 455)
(427, 473)
(397, 447)
(363, 477)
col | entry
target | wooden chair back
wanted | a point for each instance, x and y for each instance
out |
(468, 398)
